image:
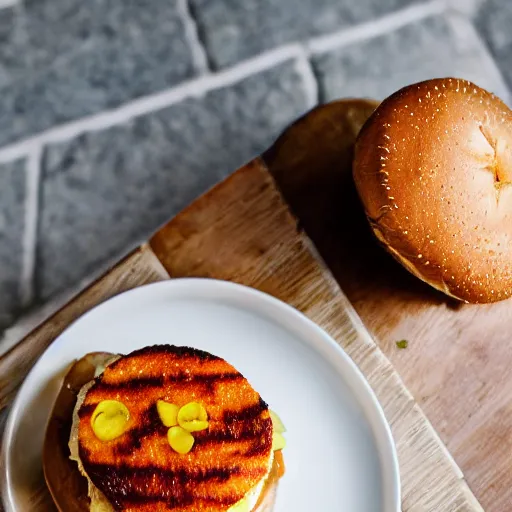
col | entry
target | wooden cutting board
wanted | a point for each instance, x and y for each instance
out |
(243, 231)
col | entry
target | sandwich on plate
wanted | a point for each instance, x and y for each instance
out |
(164, 428)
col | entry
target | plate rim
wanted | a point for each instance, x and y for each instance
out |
(378, 423)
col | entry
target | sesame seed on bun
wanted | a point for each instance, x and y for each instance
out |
(433, 168)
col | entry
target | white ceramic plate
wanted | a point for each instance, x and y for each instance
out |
(339, 455)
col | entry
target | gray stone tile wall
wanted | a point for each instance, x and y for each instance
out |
(127, 110)
(84, 57)
(86, 217)
(494, 20)
(432, 47)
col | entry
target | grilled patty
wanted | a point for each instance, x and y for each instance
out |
(139, 471)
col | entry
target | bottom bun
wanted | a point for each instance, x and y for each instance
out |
(65, 483)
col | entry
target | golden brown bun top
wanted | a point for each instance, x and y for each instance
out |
(139, 471)
(433, 168)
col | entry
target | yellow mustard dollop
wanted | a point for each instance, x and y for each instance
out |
(168, 413)
(193, 417)
(109, 420)
(181, 440)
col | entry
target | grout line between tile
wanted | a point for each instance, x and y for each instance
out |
(192, 88)
(199, 54)
(8, 3)
(304, 67)
(375, 28)
(33, 173)
(468, 8)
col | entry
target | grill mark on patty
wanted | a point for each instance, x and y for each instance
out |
(248, 413)
(260, 438)
(257, 448)
(128, 484)
(187, 499)
(86, 410)
(179, 352)
(238, 425)
(241, 425)
(131, 384)
(208, 380)
(149, 471)
(246, 431)
(122, 503)
(150, 424)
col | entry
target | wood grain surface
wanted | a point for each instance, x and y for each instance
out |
(242, 231)
(458, 364)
